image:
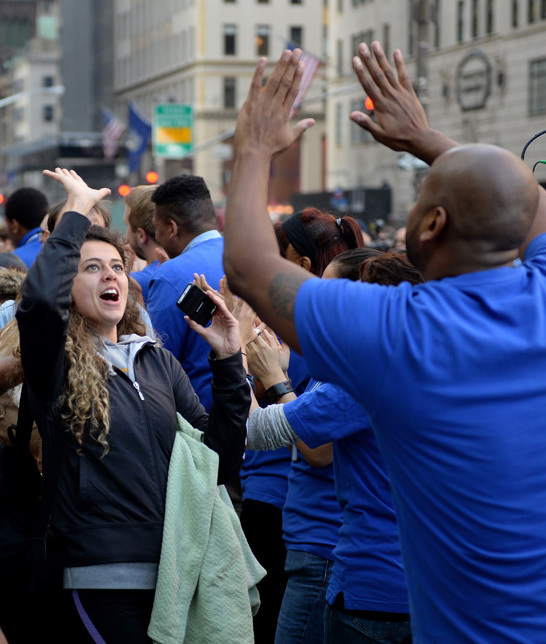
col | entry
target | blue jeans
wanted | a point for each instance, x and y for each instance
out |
(341, 626)
(301, 620)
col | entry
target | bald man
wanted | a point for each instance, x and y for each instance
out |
(451, 372)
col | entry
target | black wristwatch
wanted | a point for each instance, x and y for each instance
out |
(277, 391)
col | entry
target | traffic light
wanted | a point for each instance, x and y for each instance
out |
(2, 199)
(124, 190)
(152, 176)
(368, 104)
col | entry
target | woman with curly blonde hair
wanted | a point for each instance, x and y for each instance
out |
(107, 397)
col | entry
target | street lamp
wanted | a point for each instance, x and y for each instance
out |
(54, 90)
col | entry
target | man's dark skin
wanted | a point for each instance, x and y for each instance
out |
(479, 205)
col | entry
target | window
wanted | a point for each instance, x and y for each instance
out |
(386, 42)
(460, 21)
(340, 6)
(543, 9)
(531, 11)
(514, 13)
(475, 18)
(339, 57)
(230, 40)
(537, 87)
(358, 134)
(489, 17)
(262, 40)
(339, 125)
(47, 112)
(229, 93)
(363, 36)
(296, 36)
(436, 23)
(411, 28)
(47, 81)
(263, 1)
(296, 1)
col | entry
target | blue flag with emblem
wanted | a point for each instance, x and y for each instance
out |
(140, 133)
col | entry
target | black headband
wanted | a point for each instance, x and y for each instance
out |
(299, 237)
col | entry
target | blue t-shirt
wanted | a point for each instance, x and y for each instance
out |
(367, 561)
(451, 373)
(166, 286)
(29, 246)
(311, 516)
(144, 277)
(264, 476)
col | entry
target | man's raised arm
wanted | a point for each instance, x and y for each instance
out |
(253, 265)
(401, 122)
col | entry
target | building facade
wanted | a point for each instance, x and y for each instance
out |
(479, 67)
(31, 113)
(204, 54)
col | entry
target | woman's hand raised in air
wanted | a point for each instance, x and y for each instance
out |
(80, 197)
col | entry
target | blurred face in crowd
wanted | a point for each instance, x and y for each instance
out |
(96, 218)
(100, 287)
(131, 234)
(6, 245)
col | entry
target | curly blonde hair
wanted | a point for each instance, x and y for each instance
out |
(85, 401)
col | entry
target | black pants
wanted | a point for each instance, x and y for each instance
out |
(118, 616)
(262, 525)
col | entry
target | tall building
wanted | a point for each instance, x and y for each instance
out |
(204, 54)
(17, 26)
(31, 113)
(87, 72)
(478, 65)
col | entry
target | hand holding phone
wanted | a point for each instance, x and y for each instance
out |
(196, 304)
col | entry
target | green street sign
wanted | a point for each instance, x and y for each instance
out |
(173, 130)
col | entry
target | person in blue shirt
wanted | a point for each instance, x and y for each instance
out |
(310, 238)
(450, 372)
(366, 594)
(185, 226)
(24, 210)
(140, 235)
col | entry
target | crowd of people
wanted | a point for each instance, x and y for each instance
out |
(351, 451)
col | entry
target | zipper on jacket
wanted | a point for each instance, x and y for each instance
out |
(137, 387)
(147, 420)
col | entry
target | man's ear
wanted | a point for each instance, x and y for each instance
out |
(432, 224)
(173, 229)
(305, 262)
(141, 235)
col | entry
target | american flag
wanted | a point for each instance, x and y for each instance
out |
(111, 133)
(311, 65)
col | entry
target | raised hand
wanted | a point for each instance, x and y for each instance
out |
(80, 197)
(401, 122)
(263, 121)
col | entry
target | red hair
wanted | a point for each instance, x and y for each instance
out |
(330, 235)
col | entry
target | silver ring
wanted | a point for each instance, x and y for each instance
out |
(257, 331)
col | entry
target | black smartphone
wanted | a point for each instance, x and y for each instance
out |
(196, 304)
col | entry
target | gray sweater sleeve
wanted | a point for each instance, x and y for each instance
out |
(268, 428)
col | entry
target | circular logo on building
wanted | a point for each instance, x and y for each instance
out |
(473, 81)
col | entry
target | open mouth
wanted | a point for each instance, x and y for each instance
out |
(110, 295)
